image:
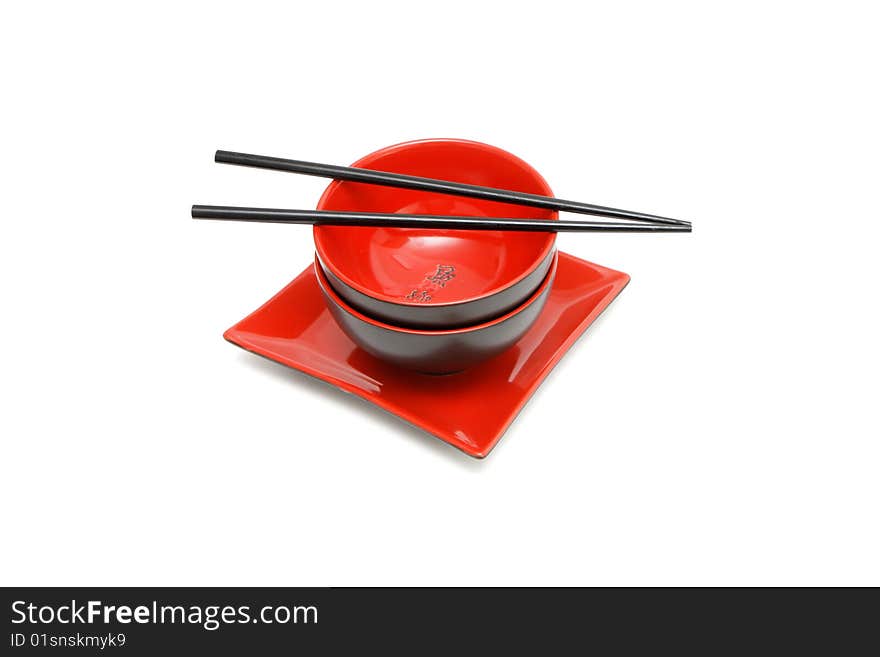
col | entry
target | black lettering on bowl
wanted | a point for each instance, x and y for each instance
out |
(433, 280)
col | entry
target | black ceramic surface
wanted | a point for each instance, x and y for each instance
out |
(443, 316)
(436, 351)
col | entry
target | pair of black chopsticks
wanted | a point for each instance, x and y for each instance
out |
(641, 223)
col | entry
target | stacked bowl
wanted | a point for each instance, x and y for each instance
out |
(435, 301)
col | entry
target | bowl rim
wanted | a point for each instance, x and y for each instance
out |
(340, 303)
(322, 252)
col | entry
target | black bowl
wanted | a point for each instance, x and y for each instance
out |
(436, 351)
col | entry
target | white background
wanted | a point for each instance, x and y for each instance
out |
(718, 425)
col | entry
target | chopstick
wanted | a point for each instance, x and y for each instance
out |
(354, 174)
(334, 218)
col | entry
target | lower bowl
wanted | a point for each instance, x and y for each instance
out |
(436, 351)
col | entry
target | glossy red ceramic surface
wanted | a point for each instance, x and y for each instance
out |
(469, 410)
(391, 264)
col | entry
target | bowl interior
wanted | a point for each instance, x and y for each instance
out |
(452, 266)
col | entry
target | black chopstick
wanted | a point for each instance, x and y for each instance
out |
(355, 174)
(332, 218)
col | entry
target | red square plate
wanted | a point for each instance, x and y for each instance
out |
(469, 410)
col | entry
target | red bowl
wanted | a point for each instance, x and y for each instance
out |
(436, 352)
(436, 278)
